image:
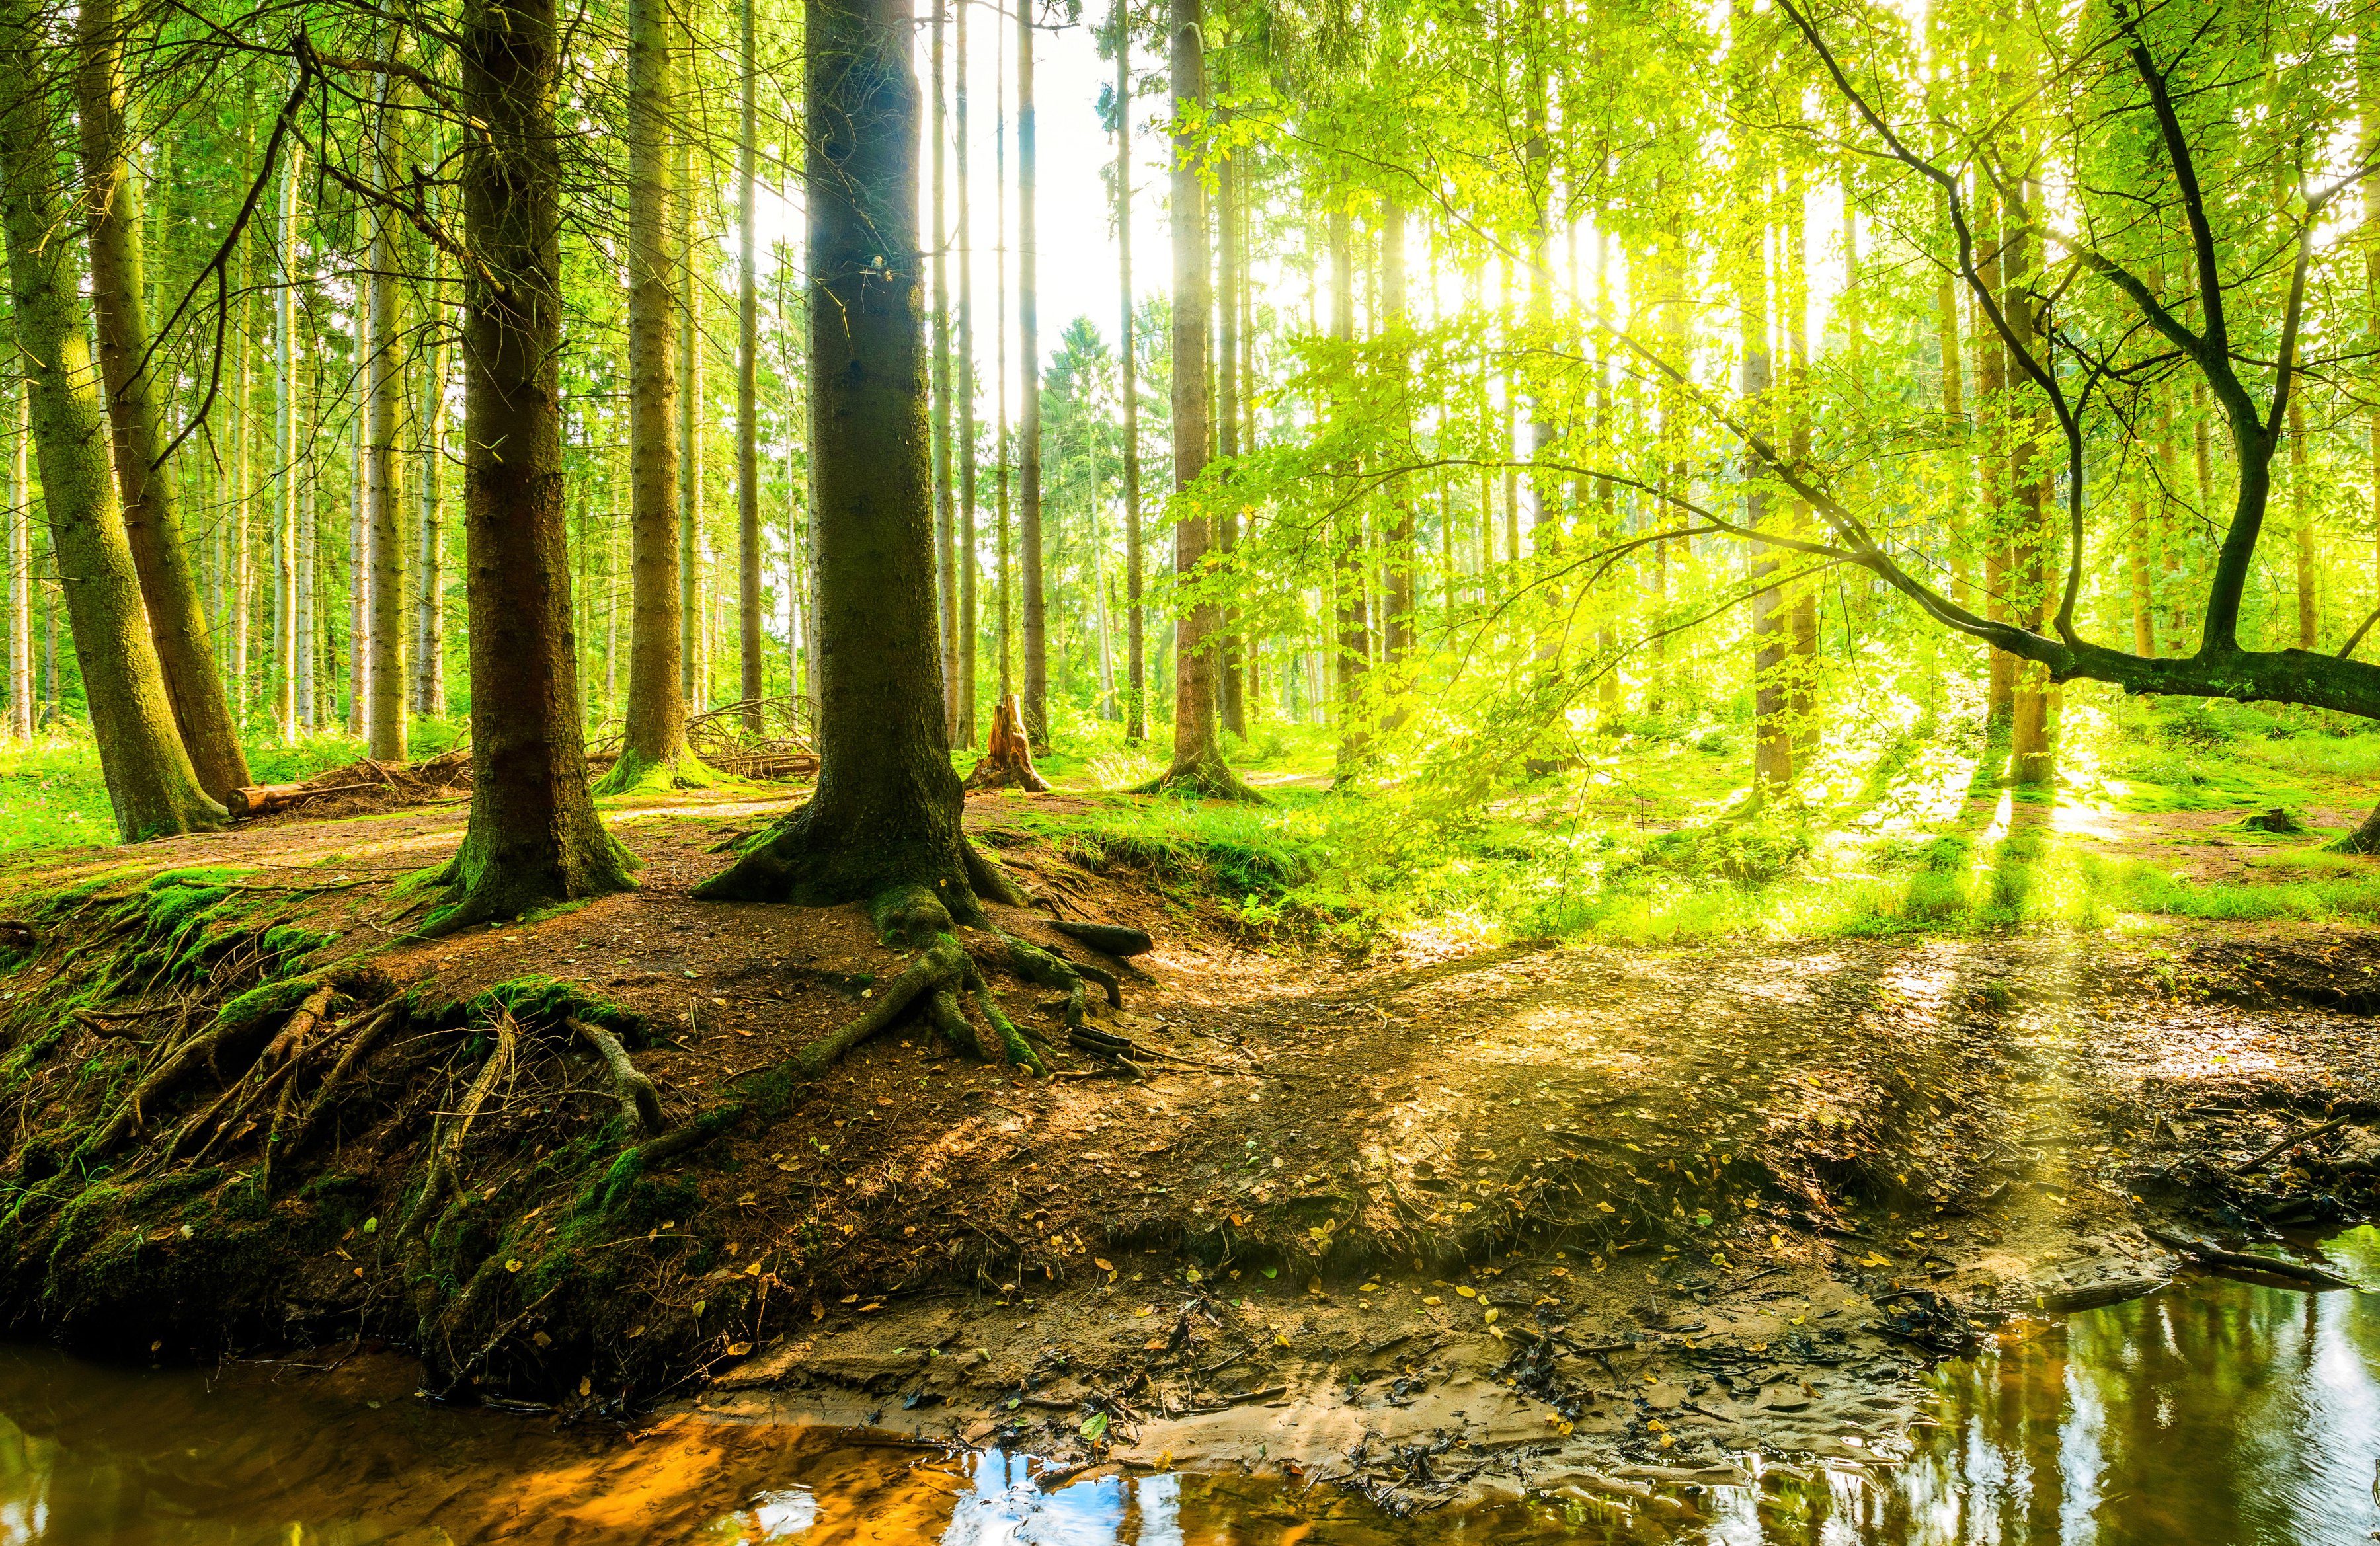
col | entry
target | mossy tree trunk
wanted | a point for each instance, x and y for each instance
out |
(886, 813)
(653, 752)
(176, 615)
(533, 837)
(155, 789)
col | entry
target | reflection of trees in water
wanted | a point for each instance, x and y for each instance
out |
(2216, 1412)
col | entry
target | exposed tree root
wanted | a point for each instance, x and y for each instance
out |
(640, 1102)
(1208, 778)
(361, 1042)
(635, 773)
(1114, 939)
(286, 1046)
(446, 1145)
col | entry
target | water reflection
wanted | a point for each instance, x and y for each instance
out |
(2214, 1413)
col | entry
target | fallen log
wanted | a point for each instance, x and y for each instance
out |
(258, 799)
(2207, 1253)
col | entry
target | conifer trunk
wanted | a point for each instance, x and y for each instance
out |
(288, 479)
(1135, 719)
(1351, 652)
(429, 582)
(886, 811)
(1232, 706)
(20, 569)
(747, 383)
(1197, 765)
(175, 616)
(946, 615)
(652, 746)
(151, 782)
(969, 567)
(533, 837)
(692, 687)
(2031, 757)
(1028, 353)
(384, 485)
(1772, 756)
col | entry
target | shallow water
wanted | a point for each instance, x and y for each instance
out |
(2216, 1413)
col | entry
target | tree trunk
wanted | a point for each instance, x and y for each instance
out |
(1136, 721)
(1351, 647)
(176, 619)
(151, 782)
(288, 480)
(886, 813)
(533, 837)
(945, 511)
(20, 571)
(1991, 407)
(752, 681)
(692, 686)
(384, 492)
(429, 592)
(1002, 560)
(1229, 386)
(1028, 354)
(239, 574)
(1197, 766)
(2302, 524)
(969, 565)
(2032, 758)
(1397, 601)
(1772, 754)
(653, 752)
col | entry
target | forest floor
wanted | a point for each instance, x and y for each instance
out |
(1430, 1219)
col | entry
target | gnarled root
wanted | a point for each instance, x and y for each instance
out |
(447, 1147)
(286, 1046)
(364, 1039)
(640, 1102)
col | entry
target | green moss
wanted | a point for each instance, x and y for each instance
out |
(550, 1000)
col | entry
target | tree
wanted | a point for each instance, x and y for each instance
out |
(385, 387)
(883, 824)
(533, 837)
(1136, 721)
(653, 750)
(1028, 351)
(151, 782)
(1197, 766)
(176, 619)
(747, 378)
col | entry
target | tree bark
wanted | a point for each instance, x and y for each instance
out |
(384, 485)
(1227, 424)
(151, 783)
(20, 570)
(945, 502)
(970, 566)
(2031, 755)
(1136, 722)
(653, 751)
(1397, 597)
(1351, 647)
(176, 618)
(886, 811)
(287, 481)
(1197, 766)
(748, 382)
(1028, 354)
(693, 685)
(1772, 754)
(430, 583)
(533, 837)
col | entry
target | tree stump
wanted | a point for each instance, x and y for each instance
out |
(1009, 760)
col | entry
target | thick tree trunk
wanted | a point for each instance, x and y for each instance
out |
(1028, 354)
(1136, 711)
(533, 837)
(151, 783)
(886, 813)
(384, 485)
(177, 620)
(1197, 766)
(752, 681)
(654, 751)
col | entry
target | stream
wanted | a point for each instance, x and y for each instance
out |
(2215, 1412)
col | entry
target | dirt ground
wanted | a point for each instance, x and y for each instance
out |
(1432, 1224)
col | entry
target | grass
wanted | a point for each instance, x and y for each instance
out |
(1896, 827)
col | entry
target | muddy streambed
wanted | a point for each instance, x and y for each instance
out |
(2214, 1412)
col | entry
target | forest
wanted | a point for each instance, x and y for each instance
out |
(678, 673)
